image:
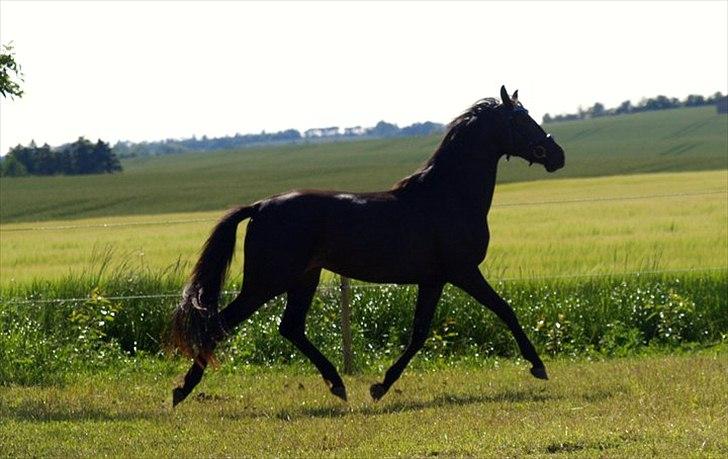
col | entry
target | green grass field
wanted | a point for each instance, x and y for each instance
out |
(541, 239)
(659, 406)
(645, 192)
(685, 139)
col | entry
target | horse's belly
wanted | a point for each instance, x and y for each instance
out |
(396, 256)
(377, 273)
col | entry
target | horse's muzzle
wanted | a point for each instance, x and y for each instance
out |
(555, 166)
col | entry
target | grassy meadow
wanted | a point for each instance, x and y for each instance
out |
(535, 231)
(687, 139)
(663, 406)
(638, 362)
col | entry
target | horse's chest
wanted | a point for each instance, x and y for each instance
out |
(467, 242)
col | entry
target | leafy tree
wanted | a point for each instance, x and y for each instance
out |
(597, 110)
(24, 155)
(660, 103)
(9, 73)
(11, 167)
(426, 128)
(105, 159)
(46, 161)
(383, 129)
(714, 98)
(694, 100)
(624, 107)
(82, 153)
(64, 161)
(80, 157)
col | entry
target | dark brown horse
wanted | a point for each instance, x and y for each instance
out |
(429, 229)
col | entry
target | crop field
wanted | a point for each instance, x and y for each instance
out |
(542, 228)
(688, 139)
(662, 406)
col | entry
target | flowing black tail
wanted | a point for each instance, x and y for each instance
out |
(195, 323)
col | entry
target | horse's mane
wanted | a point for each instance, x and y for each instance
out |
(456, 130)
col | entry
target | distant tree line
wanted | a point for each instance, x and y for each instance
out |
(173, 146)
(79, 157)
(645, 105)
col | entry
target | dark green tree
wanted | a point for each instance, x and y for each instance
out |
(383, 129)
(46, 161)
(714, 98)
(660, 103)
(25, 156)
(597, 110)
(82, 154)
(624, 107)
(79, 157)
(694, 100)
(11, 167)
(104, 159)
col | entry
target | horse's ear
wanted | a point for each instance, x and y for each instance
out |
(505, 98)
(515, 96)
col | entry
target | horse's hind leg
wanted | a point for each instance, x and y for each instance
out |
(427, 297)
(240, 309)
(293, 328)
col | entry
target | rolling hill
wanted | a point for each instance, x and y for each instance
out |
(685, 139)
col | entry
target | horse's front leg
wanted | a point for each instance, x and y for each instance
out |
(427, 297)
(474, 284)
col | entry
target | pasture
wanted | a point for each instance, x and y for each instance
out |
(664, 406)
(640, 193)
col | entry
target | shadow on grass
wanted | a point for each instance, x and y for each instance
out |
(444, 401)
(403, 406)
(40, 411)
(586, 446)
(598, 395)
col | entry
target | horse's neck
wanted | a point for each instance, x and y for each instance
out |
(471, 182)
(488, 188)
(477, 186)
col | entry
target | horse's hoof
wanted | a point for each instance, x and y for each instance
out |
(539, 372)
(377, 391)
(178, 395)
(339, 391)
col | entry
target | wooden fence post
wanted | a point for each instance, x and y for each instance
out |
(346, 324)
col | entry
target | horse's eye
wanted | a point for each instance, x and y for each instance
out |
(539, 151)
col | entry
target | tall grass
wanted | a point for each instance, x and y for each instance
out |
(110, 319)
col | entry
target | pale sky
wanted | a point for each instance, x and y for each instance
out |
(154, 70)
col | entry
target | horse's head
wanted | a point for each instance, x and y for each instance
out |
(523, 136)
